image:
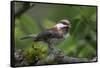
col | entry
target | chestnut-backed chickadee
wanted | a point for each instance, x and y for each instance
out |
(53, 35)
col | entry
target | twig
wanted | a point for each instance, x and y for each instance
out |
(20, 8)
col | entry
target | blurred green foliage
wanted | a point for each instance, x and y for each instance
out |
(37, 52)
(82, 41)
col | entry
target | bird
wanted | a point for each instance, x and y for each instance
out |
(52, 36)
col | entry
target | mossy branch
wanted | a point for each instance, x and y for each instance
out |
(55, 56)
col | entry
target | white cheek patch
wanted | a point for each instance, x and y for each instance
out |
(60, 25)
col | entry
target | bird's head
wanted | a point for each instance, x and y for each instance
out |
(63, 24)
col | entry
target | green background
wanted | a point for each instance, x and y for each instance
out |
(83, 34)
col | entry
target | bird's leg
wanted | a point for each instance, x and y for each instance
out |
(52, 49)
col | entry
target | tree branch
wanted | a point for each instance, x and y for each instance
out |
(55, 56)
(20, 7)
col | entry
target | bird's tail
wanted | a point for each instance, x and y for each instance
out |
(33, 37)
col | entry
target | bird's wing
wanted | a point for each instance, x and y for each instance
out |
(47, 35)
(43, 35)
